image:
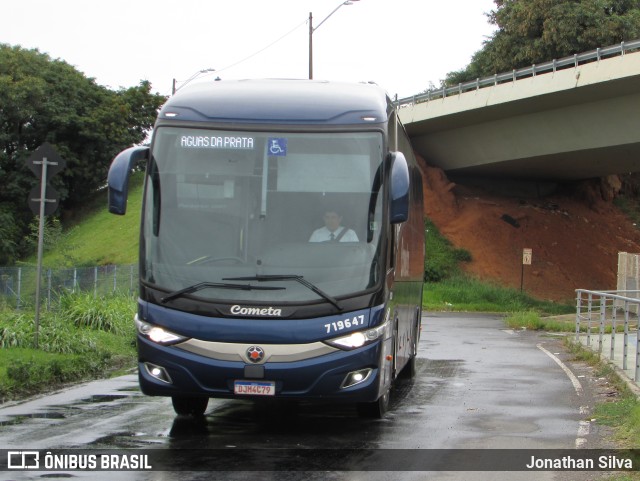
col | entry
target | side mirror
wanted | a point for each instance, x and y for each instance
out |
(118, 178)
(399, 188)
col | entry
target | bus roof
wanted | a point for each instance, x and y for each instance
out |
(280, 102)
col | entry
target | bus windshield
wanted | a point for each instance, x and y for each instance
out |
(258, 209)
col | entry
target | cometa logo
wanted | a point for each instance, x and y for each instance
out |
(255, 311)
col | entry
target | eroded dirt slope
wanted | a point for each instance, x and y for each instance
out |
(575, 237)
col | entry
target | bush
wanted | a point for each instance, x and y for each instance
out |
(72, 328)
(527, 319)
(441, 259)
(103, 313)
(55, 334)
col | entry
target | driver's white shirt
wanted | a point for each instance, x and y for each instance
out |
(324, 235)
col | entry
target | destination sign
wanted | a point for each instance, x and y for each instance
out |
(217, 142)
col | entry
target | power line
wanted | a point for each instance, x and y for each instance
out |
(262, 49)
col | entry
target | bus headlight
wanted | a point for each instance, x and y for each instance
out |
(357, 339)
(158, 334)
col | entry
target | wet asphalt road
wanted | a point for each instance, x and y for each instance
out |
(478, 385)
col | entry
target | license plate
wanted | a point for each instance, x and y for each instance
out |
(254, 388)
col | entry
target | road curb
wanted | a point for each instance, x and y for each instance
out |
(633, 387)
(619, 372)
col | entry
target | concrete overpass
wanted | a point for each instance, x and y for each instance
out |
(571, 123)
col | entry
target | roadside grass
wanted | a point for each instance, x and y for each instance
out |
(624, 415)
(85, 338)
(95, 237)
(463, 293)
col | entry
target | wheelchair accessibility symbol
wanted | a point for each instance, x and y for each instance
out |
(277, 146)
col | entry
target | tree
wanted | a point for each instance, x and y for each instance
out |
(42, 99)
(536, 31)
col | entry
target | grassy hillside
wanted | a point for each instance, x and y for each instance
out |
(99, 238)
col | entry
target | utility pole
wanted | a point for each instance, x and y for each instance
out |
(311, 30)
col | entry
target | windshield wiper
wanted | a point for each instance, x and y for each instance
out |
(289, 277)
(216, 285)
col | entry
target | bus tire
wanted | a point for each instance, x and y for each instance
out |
(409, 370)
(375, 409)
(189, 406)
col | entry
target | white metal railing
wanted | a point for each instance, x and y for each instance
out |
(610, 308)
(532, 71)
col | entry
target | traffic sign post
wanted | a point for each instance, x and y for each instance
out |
(44, 162)
(49, 199)
(45, 154)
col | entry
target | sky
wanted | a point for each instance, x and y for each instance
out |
(405, 46)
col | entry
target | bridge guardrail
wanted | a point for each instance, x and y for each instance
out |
(601, 309)
(532, 71)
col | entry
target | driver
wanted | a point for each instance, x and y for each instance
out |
(333, 231)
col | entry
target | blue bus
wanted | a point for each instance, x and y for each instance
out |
(240, 296)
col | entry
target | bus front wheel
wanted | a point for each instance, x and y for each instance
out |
(189, 406)
(375, 409)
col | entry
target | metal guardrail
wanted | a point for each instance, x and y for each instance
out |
(601, 309)
(532, 71)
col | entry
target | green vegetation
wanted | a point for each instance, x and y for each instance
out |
(624, 415)
(85, 338)
(463, 293)
(87, 129)
(98, 237)
(442, 257)
(538, 31)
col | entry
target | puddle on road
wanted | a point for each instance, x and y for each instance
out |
(63, 411)
(102, 398)
(20, 418)
(134, 389)
(127, 440)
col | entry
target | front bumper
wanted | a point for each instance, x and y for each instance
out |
(322, 377)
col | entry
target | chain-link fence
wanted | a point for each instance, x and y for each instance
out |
(18, 284)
